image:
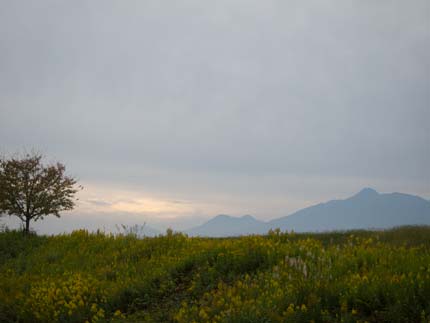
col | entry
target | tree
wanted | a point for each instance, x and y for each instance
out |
(32, 190)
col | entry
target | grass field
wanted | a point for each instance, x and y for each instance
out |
(356, 276)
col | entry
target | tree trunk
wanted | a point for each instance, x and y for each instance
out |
(27, 225)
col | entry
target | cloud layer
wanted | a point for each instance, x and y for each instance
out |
(222, 103)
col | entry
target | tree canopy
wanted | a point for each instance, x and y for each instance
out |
(32, 190)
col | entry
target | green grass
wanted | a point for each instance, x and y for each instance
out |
(355, 276)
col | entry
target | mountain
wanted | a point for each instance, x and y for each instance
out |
(367, 209)
(227, 226)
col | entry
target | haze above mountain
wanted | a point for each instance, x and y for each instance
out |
(367, 209)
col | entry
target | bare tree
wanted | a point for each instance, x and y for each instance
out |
(31, 190)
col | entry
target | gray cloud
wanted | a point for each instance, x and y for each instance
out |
(210, 97)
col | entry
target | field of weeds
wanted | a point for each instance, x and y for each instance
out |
(356, 276)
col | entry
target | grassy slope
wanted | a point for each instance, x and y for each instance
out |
(355, 276)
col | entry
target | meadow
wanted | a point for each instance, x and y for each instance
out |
(355, 276)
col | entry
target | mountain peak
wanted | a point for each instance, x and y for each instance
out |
(367, 192)
(222, 216)
(225, 226)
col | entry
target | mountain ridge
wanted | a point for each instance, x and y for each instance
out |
(366, 209)
(226, 225)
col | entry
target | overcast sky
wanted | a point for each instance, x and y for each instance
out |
(171, 112)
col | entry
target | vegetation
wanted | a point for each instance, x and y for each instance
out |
(31, 190)
(356, 276)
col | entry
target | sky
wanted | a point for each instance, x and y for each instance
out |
(171, 112)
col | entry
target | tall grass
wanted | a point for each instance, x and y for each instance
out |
(356, 276)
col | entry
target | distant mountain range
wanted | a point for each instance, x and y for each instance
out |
(367, 209)
(227, 226)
